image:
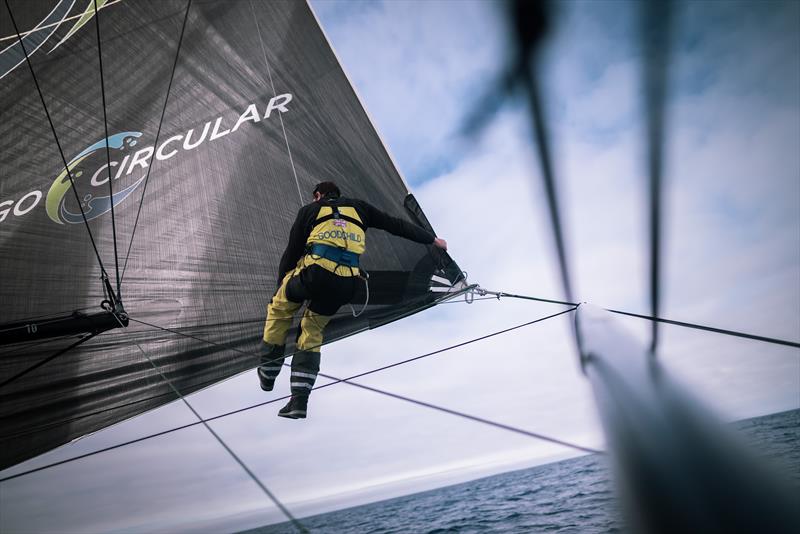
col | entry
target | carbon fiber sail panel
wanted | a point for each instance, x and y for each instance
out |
(259, 111)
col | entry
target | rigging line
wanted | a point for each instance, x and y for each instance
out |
(499, 294)
(233, 455)
(55, 136)
(473, 300)
(93, 453)
(765, 339)
(735, 333)
(108, 150)
(475, 418)
(158, 132)
(656, 29)
(239, 351)
(333, 382)
(396, 364)
(336, 380)
(275, 93)
(49, 358)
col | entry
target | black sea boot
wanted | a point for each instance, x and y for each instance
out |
(296, 408)
(305, 366)
(271, 363)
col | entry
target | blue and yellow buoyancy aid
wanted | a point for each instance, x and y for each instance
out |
(336, 241)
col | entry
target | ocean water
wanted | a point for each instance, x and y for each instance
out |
(570, 496)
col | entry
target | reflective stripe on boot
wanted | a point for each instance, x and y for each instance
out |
(305, 365)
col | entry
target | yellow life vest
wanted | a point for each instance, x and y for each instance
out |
(340, 227)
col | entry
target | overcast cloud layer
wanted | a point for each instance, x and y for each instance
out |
(732, 259)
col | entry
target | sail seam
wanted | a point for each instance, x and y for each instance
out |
(158, 132)
(275, 93)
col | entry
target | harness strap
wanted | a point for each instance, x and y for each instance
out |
(340, 256)
(337, 215)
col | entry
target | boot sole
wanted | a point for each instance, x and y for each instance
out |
(294, 414)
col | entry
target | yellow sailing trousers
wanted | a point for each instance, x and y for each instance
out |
(280, 313)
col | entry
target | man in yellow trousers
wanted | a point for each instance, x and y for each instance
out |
(320, 266)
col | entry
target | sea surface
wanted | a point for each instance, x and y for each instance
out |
(570, 496)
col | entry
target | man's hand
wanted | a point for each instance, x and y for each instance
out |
(441, 243)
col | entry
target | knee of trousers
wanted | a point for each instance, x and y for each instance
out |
(280, 312)
(311, 331)
(272, 355)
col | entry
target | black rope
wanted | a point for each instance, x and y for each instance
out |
(158, 133)
(333, 382)
(233, 455)
(99, 451)
(469, 302)
(196, 387)
(55, 136)
(48, 359)
(656, 21)
(537, 299)
(108, 150)
(379, 369)
(745, 335)
(336, 380)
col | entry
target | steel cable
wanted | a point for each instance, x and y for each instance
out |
(58, 143)
(108, 150)
(336, 381)
(158, 133)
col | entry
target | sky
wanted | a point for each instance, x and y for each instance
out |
(731, 260)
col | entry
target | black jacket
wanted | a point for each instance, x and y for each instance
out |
(370, 216)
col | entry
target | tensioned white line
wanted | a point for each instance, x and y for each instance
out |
(274, 93)
(73, 17)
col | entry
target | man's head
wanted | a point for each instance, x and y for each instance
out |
(326, 189)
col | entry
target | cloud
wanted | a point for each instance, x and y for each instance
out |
(425, 62)
(732, 255)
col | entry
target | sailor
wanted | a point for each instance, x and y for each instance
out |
(320, 267)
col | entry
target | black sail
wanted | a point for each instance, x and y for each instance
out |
(258, 111)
